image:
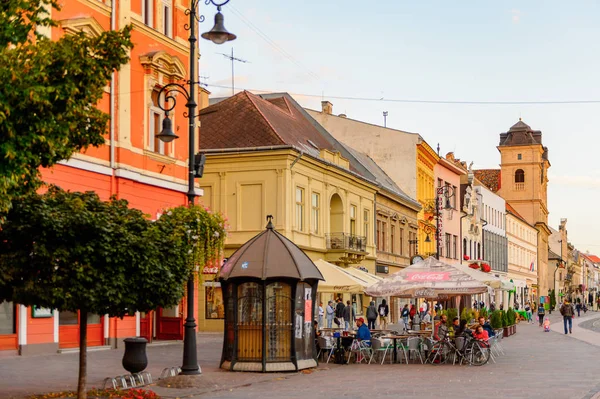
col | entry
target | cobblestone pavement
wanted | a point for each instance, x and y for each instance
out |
(536, 365)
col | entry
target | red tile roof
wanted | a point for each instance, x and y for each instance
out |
(593, 258)
(489, 178)
(514, 212)
(247, 120)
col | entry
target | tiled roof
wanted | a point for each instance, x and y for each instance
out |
(593, 258)
(522, 134)
(489, 178)
(552, 255)
(246, 120)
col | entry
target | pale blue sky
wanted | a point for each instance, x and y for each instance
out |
(438, 50)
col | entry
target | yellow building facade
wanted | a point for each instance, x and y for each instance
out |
(522, 255)
(317, 203)
(426, 161)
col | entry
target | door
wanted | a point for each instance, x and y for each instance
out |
(169, 323)
(146, 323)
(8, 326)
(68, 330)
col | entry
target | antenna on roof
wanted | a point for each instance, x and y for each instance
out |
(233, 60)
(385, 114)
(438, 149)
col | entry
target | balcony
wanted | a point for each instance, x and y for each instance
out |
(346, 241)
(345, 248)
(519, 186)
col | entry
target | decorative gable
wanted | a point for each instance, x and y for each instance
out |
(87, 25)
(163, 63)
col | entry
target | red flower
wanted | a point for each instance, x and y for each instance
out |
(466, 257)
(474, 266)
(486, 268)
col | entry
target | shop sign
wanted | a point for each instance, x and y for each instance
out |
(213, 269)
(428, 276)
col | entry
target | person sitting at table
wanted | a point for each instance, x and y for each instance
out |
(462, 329)
(455, 324)
(427, 317)
(440, 330)
(363, 333)
(317, 334)
(480, 334)
(487, 327)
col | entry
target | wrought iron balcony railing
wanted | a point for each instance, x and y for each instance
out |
(346, 241)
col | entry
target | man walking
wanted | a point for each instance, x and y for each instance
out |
(339, 312)
(349, 316)
(329, 313)
(566, 310)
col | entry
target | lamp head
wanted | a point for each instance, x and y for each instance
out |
(219, 34)
(167, 135)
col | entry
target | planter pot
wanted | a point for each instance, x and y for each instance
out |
(506, 332)
(134, 358)
(514, 329)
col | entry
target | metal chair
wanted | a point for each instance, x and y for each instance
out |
(325, 344)
(381, 345)
(414, 346)
(361, 350)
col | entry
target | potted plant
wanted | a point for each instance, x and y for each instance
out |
(512, 318)
(496, 320)
(505, 324)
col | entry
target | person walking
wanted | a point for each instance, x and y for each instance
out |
(349, 315)
(405, 314)
(566, 310)
(329, 313)
(371, 315)
(339, 312)
(578, 307)
(529, 312)
(321, 314)
(384, 311)
(541, 311)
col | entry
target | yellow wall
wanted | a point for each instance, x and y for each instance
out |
(426, 160)
(246, 187)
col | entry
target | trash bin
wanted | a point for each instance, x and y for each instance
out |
(135, 359)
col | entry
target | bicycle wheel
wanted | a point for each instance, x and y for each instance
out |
(439, 353)
(479, 353)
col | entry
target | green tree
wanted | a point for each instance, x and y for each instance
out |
(48, 92)
(74, 252)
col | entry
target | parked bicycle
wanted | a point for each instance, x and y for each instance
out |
(464, 349)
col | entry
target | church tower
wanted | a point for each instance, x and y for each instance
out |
(524, 185)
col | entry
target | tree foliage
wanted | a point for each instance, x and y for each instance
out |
(72, 251)
(48, 94)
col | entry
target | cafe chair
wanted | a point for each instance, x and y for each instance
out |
(381, 346)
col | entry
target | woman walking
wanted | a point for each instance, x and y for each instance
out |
(541, 313)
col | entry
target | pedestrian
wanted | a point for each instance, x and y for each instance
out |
(481, 305)
(529, 312)
(566, 310)
(492, 307)
(578, 308)
(321, 314)
(516, 305)
(541, 311)
(384, 311)
(412, 311)
(475, 304)
(423, 309)
(405, 314)
(339, 312)
(329, 313)
(349, 316)
(371, 315)
(501, 306)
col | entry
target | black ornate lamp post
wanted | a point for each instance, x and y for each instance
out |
(447, 192)
(218, 35)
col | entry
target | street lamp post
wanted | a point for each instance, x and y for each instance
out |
(447, 192)
(218, 35)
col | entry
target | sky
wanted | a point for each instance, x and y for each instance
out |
(365, 56)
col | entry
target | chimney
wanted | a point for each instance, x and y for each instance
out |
(326, 107)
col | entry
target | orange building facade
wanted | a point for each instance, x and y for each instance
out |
(132, 164)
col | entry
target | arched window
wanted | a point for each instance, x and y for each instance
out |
(519, 176)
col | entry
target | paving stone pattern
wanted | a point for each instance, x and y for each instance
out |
(536, 365)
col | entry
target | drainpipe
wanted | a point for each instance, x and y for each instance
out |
(296, 160)
(113, 26)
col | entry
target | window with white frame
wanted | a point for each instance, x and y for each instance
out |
(300, 208)
(167, 26)
(353, 219)
(315, 212)
(155, 118)
(366, 223)
(148, 12)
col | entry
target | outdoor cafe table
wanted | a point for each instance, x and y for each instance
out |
(411, 334)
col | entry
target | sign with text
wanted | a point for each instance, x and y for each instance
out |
(428, 276)
(213, 268)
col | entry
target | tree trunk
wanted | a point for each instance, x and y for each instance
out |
(81, 393)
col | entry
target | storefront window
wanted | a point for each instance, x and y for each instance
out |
(215, 308)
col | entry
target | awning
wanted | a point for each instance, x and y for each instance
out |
(337, 280)
(429, 278)
(369, 278)
(497, 283)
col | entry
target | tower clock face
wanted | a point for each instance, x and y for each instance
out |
(415, 259)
